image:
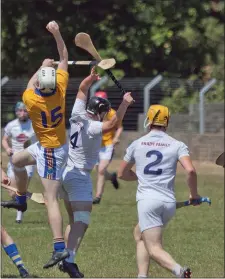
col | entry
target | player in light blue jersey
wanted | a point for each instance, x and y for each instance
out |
(155, 156)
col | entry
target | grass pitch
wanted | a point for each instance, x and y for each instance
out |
(195, 237)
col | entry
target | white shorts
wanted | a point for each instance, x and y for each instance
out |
(10, 171)
(50, 161)
(106, 153)
(77, 185)
(154, 213)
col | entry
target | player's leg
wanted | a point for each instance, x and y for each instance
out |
(142, 255)
(151, 223)
(11, 250)
(19, 161)
(102, 166)
(108, 175)
(51, 189)
(77, 186)
(30, 172)
(50, 164)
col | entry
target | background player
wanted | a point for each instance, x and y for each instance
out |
(18, 131)
(155, 156)
(7, 242)
(45, 102)
(109, 139)
(85, 143)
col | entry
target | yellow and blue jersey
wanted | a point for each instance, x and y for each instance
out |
(47, 112)
(107, 138)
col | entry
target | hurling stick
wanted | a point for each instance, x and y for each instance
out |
(36, 197)
(193, 202)
(83, 40)
(103, 64)
(220, 160)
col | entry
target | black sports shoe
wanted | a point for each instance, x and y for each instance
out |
(70, 268)
(18, 221)
(96, 200)
(14, 204)
(114, 181)
(23, 272)
(186, 273)
(57, 257)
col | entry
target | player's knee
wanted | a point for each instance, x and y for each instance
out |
(82, 216)
(154, 250)
(17, 163)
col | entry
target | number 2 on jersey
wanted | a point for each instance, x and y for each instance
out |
(159, 157)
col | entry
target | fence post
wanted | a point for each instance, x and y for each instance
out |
(147, 90)
(4, 80)
(201, 105)
(97, 85)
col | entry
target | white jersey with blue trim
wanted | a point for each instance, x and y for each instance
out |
(85, 138)
(155, 156)
(20, 132)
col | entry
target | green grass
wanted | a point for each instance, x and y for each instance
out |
(195, 236)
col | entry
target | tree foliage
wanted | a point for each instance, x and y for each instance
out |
(146, 37)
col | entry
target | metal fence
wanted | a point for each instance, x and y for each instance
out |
(159, 89)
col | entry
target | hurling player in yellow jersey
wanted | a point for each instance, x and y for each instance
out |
(109, 139)
(44, 98)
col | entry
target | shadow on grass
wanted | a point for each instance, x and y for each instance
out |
(34, 222)
(17, 276)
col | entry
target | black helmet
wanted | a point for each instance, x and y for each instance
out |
(97, 105)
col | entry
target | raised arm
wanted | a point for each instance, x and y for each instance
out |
(117, 136)
(86, 84)
(53, 28)
(118, 117)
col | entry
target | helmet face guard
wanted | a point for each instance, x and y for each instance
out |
(47, 80)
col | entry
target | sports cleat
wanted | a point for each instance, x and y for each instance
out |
(56, 257)
(114, 181)
(23, 272)
(70, 268)
(18, 221)
(96, 200)
(14, 204)
(186, 273)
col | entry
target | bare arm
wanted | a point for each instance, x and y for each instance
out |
(118, 133)
(86, 84)
(5, 144)
(191, 176)
(63, 53)
(125, 172)
(118, 117)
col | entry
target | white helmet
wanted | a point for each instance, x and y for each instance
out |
(47, 79)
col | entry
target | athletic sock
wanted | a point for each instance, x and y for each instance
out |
(19, 215)
(177, 270)
(59, 244)
(71, 258)
(12, 251)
